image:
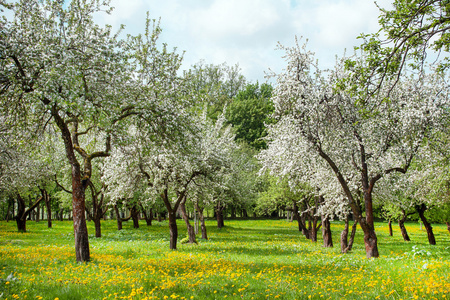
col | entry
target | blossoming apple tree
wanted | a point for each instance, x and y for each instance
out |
(58, 64)
(169, 169)
(360, 138)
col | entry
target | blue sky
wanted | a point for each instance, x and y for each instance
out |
(246, 32)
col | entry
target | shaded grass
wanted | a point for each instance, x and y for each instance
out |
(252, 259)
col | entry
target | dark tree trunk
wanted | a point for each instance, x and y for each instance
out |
(300, 220)
(82, 251)
(448, 226)
(421, 210)
(202, 221)
(173, 230)
(367, 224)
(21, 224)
(219, 215)
(119, 219)
(48, 206)
(88, 215)
(148, 217)
(98, 211)
(172, 210)
(21, 219)
(22, 214)
(401, 224)
(233, 212)
(313, 230)
(405, 235)
(79, 184)
(326, 232)
(10, 203)
(352, 236)
(134, 212)
(190, 228)
(344, 237)
(98, 227)
(347, 244)
(390, 228)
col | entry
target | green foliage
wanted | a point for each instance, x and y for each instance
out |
(249, 112)
(410, 32)
(214, 86)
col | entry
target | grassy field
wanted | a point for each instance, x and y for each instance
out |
(263, 259)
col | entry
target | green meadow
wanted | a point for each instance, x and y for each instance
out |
(247, 259)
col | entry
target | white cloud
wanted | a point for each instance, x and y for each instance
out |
(247, 31)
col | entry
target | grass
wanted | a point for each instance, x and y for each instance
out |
(259, 259)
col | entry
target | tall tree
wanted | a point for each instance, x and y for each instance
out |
(249, 113)
(58, 64)
(356, 136)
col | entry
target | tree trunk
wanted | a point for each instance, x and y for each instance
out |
(347, 244)
(82, 252)
(173, 230)
(98, 227)
(352, 236)
(401, 224)
(219, 215)
(10, 201)
(313, 229)
(344, 237)
(202, 221)
(300, 220)
(79, 184)
(190, 228)
(448, 226)
(326, 232)
(21, 224)
(118, 218)
(135, 216)
(367, 225)
(38, 213)
(21, 217)
(390, 228)
(421, 210)
(48, 205)
(370, 241)
(148, 217)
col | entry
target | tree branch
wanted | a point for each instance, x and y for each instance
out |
(63, 188)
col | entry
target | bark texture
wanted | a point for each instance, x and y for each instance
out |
(401, 224)
(202, 221)
(190, 228)
(326, 232)
(421, 210)
(219, 215)
(390, 228)
(347, 244)
(23, 213)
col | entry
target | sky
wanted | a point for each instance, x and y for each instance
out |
(246, 32)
